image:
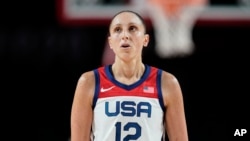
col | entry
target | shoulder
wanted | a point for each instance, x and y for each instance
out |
(169, 79)
(86, 78)
(89, 77)
(170, 87)
(166, 77)
(86, 82)
(85, 87)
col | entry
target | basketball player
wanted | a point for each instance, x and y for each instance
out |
(128, 100)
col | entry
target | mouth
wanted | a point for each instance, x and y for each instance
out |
(125, 45)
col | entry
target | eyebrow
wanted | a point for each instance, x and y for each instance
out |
(131, 23)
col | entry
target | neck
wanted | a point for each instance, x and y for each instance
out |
(128, 72)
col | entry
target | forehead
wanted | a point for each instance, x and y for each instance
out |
(126, 18)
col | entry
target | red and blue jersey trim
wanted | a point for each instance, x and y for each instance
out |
(105, 73)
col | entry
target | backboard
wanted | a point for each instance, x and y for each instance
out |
(97, 12)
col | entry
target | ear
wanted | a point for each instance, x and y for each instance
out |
(109, 42)
(146, 40)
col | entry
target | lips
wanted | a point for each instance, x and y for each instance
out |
(125, 45)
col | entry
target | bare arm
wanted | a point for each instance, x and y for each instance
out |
(81, 112)
(174, 116)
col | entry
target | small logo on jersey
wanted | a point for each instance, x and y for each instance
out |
(148, 89)
(106, 89)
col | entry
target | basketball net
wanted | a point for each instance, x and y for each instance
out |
(173, 21)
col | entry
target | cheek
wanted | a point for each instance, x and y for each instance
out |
(115, 37)
(139, 41)
(113, 40)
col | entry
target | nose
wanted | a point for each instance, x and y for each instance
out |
(125, 35)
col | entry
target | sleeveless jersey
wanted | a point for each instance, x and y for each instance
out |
(128, 112)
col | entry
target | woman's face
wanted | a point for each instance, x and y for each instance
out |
(127, 36)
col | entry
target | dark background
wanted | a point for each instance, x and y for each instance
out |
(41, 61)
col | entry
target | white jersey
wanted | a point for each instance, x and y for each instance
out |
(128, 112)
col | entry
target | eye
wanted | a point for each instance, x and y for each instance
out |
(117, 29)
(132, 28)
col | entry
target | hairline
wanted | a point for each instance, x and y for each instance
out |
(133, 12)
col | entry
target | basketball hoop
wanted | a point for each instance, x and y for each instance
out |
(173, 21)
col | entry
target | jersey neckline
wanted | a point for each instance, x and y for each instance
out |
(111, 77)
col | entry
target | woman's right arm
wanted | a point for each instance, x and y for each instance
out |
(81, 112)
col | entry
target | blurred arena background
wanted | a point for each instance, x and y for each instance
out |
(44, 50)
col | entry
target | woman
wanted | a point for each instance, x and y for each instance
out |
(128, 100)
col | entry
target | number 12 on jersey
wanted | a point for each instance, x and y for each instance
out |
(127, 127)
